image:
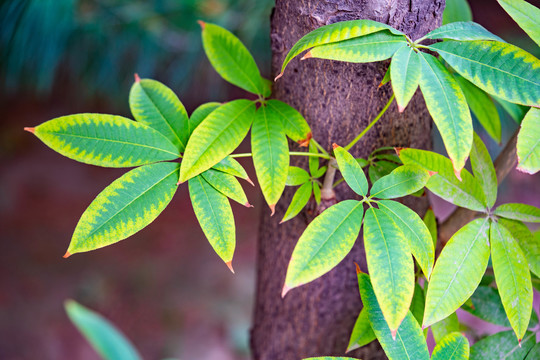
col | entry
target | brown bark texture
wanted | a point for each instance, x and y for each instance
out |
(338, 100)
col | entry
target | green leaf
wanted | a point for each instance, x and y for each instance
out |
(316, 192)
(231, 59)
(453, 346)
(299, 200)
(324, 243)
(458, 271)
(463, 30)
(517, 211)
(388, 249)
(157, 106)
(513, 278)
(482, 107)
(386, 77)
(456, 10)
(126, 206)
(444, 327)
(418, 303)
(216, 137)
(105, 140)
(373, 47)
(431, 224)
(334, 33)
(379, 169)
(404, 180)
(313, 161)
(413, 229)
(294, 124)
(227, 185)
(213, 211)
(502, 345)
(296, 176)
(320, 172)
(104, 337)
(465, 193)
(517, 112)
(448, 108)
(270, 154)
(408, 343)
(534, 353)
(362, 333)
(529, 243)
(405, 73)
(329, 358)
(200, 113)
(230, 166)
(352, 172)
(483, 170)
(526, 15)
(528, 143)
(362, 162)
(497, 68)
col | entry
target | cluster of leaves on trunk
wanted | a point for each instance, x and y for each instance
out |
(474, 67)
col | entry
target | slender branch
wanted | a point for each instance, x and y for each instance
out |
(505, 162)
(293, 153)
(373, 122)
(321, 149)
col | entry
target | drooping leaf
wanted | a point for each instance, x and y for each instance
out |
(230, 166)
(231, 59)
(465, 193)
(215, 216)
(526, 15)
(404, 180)
(462, 30)
(200, 113)
(529, 243)
(431, 224)
(387, 248)
(352, 172)
(445, 327)
(414, 230)
(484, 171)
(528, 143)
(517, 211)
(368, 48)
(299, 200)
(499, 69)
(126, 206)
(362, 333)
(448, 108)
(408, 343)
(296, 176)
(458, 271)
(513, 278)
(105, 140)
(378, 169)
(405, 73)
(502, 345)
(104, 337)
(456, 10)
(453, 346)
(216, 137)
(270, 154)
(157, 106)
(334, 33)
(482, 107)
(227, 185)
(324, 243)
(294, 124)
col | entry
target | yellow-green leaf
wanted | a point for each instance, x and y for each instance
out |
(405, 73)
(528, 242)
(458, 271)
(431, 222)
(157, 106)
(216, 137)
(404, 180)
(296, 176)
(299, 200)
(294, 124)
(448, 108)
(390, 264)
(528, 142)
(444, 327)
(462, 30)
(105, 140)
(200, 113)
(352, 172)
(517, 211)
(526, 15)
(483, 170)
(503, 346)
(227, 185)
(513, 278)
(270, 154)
(453, 346)
(230, 166)
(126, 206)
(362, 333)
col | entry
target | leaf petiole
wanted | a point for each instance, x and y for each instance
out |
(292, 153)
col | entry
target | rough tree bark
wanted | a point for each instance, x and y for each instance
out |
(338, 100)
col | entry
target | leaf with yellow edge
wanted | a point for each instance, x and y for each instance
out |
(227, 185)
(453, 346)
(299, 200)
(404, 180)
(230, 166)
(362, 333)
(484, 171)
(352, 172)
(518, 211)
(294, 124)
(105, 140)
(126, 206)
(200, 113)
(528, 242)
(526, 15)
(405, 72)
(528, 142)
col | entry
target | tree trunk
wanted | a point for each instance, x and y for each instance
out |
(338, 100)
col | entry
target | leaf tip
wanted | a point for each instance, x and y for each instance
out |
(272, 208)
(137, 78)
(358, 270)
(431, 173)
(229, 265)
(248, 205)
(519, 342)
(202, 24)
(277, 77)
(351, 348)
(400, 108)
(305, 142)
(285, 290)
(393, 332)
(457, 170)
(334, 146)
(249, 181)
(398, 150)
(180, 182)
(307, 56)
(30, 129)
(66, 255)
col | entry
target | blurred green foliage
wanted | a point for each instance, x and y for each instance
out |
(101, 43)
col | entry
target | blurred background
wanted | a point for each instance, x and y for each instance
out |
(164, 287)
